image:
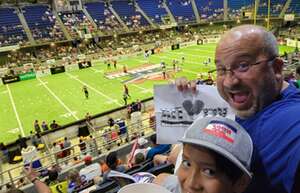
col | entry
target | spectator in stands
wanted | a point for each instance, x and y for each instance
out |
(55, 149)
(104, 167)
(92, 145)
(212, 162)
(45, 126)
(82, 146)
(32, 138)
(52, 178)
(36, 139)
(22, 142)
(139, 158)
(75, 160)
(74, 180)
(4, 152)
(90, 170)
(265, 105)
(110, 122)
(171, 157)
(54, 125)
(113, 163)
(37, 127)
(139, 105)
(156, 148)
(142, 147)
(67, 146)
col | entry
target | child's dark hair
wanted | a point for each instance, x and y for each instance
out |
(227, 167)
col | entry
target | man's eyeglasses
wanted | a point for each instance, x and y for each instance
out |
(241, 67)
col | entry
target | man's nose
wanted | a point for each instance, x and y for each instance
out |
(230, 79)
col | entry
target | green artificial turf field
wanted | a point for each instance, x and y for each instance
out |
(60, 96)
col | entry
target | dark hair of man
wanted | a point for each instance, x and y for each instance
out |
(53, 175)
(139, 158)
(153, 139)
(111, 160)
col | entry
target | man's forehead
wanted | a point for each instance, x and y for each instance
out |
(242, 33)
(243, 46)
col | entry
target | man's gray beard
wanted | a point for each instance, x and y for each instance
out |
(244, 114)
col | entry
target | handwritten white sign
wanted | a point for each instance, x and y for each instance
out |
(175, 110)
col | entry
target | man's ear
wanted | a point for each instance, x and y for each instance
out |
(278, 67)
(241, 184)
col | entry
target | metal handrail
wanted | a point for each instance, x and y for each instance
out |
(97, 147)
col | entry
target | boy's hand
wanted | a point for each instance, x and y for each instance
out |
(183, 84)
(30, 173)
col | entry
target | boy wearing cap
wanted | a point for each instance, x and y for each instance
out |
(216, 158)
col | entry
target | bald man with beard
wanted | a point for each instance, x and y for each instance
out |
(250, 79)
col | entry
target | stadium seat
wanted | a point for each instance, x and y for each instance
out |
(41, 146)
(133, 169)
(108, 186)
(166, 168)
(17, 159)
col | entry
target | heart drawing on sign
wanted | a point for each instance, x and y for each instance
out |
(193, 108)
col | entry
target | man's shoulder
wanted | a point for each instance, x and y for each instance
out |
(283, 109)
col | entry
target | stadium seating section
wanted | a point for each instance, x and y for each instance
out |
(154, 9)
(75, 22)
(182, 10)
(102, 16)
(129, 14)
(111, 16)
(11, 30)
(294, 7)
(210, 9)
(42, 23)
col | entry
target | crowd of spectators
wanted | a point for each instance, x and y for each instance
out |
(67, 53)
(77, 23)
(110, 24)
(48, 30)
(7, 40)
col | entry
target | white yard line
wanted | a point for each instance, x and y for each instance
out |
(15, 110)
(185, 54)
(58, 99)
(94, 89)
(142, 88)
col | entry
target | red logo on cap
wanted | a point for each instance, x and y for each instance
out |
(220, 131)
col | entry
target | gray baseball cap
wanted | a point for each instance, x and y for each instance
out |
(223, 136)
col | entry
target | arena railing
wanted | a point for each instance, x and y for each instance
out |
(101, 146)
